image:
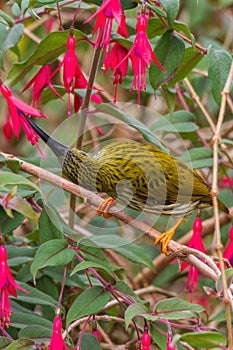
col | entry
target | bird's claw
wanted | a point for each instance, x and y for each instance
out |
(164, 239)
(104, 207)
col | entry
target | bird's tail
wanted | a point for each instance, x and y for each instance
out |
(58, 148)
(222, 207)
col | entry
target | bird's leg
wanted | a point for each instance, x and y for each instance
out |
(165, 237)
(104, 207)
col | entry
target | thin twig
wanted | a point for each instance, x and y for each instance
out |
(198, 102)
(82, 122)
(218, 247)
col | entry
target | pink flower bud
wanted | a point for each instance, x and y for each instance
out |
(71, 42)
(197, 225)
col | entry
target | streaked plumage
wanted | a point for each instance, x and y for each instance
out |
(139, 176)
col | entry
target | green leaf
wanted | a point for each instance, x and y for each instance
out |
(12, 38)
(15, 251)
(35, 296)
(55, 226)
(105, 266)
(177, 122)
(91, 251)
(172, 8)
(122, 287)
(49, 49)
(227, 141)
(175, 309)
(7, 224)
(89, 341)
(191, 58)
(182, 27)
(4, 341)
(121, 115)
(19, 260)
(49, 227)
(25, 344)
(5, 18)
(22, 206)
(198, 157)
(229, 279)
(155, 27)
(3, 34)
(125, 248)
(170, 51)
(132, 311)
(89, 302)
(21, 320)
(219, 68)
(12, 164)
(10, 179)
(39, 333)
(51, 253)
(169, 96)
(204, 339)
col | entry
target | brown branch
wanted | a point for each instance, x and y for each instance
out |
(189, 255)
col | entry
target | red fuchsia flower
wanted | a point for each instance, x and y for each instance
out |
(7, 128)
(70, 64)
(109, 10)
(141, 55)
(49, 24)
(73, 77)
(115, 61)
(7, 285)
(228, 252)
(146, 340)
(196, 243)
(57, 342)
(17, 108)
(40, 81)
(96, 334)
(226, 182)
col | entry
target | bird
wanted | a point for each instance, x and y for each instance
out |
(137, 175)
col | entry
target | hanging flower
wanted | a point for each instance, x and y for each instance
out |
(115, 61)
(228, 252)
(7, 285)
(226, 182)
(109, 10)
(57, 342)
(73, 77)
(146, 339)
(40, 81)
(17, 108)
(7, 128)
(196, 243)
(141, 55)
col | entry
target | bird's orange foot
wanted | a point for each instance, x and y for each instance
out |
(103, 208)
(165, 237)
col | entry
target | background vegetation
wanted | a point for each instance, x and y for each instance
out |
(107, 273)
